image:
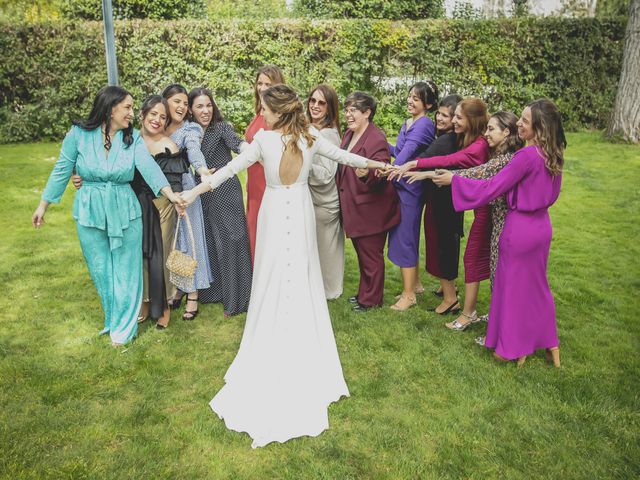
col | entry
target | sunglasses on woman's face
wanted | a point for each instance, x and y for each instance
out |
(313, 101)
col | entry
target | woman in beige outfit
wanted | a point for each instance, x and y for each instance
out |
(322, 110)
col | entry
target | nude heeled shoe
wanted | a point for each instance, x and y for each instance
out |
(520, 361)
(553, 356)
(409, 303)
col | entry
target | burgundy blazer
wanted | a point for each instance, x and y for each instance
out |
(369, 205)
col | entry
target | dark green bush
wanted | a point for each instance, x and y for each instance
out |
(129, 9)
(50, 72)
(387, 9)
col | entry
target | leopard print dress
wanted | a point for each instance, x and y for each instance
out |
(498, 206)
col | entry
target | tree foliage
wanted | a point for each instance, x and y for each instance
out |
(378, 9)
(130, 9)
(44, 84)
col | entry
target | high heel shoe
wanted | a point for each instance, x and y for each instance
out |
(519, 361)
(553, 356)
(412, 303)
(453, 308)
(176, 301)
(461, 327)
(190, 314)
(439, 293)
(416, 290)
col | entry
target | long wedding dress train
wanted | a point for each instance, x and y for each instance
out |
(287, 370)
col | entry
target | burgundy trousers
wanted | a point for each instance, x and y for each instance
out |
(370, 252)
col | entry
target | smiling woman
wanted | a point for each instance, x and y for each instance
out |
(225, 224)
(105, 150)
(187, 134)
(322, 111)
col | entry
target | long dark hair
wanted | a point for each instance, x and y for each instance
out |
(199, 91)
(104, 103)
(151, 102)
(548, 133)
(332, 120)
(513, 143)
(427, 92)
(173, 89)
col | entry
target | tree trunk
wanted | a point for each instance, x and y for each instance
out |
(625, 120)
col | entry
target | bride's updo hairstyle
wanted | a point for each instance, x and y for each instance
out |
(283, 100)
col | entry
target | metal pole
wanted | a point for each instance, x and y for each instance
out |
(110, 42)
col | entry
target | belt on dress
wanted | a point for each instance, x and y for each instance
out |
(114, 225)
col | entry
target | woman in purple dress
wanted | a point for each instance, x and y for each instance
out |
(522, 311)
(416, 134)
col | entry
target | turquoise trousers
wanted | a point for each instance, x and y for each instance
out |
(117, 275)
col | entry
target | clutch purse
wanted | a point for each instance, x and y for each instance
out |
(181, 266)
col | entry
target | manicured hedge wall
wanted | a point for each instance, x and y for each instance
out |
(50, 72)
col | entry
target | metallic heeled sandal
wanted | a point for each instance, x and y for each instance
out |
(461, 327)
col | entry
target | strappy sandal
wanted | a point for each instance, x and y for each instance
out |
(417, 291)
(190, 314)
(176, 301)
(461, 327)
(412, 303)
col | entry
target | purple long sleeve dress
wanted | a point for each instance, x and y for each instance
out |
(404, 238)
(522, 312)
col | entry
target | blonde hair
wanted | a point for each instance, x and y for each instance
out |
(274, 74)
(477, 115)
(284, 101)
(548, 133)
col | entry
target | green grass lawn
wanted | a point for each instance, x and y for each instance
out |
(425, 402)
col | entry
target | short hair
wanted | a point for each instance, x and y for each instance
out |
(361, 101)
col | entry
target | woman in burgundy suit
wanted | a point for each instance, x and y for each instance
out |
(267, 76)
(469, 122)
(369, 203)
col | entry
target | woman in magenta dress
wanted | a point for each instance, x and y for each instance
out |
(416, 134)
(267, 76)
(470, 123)
(522, 311)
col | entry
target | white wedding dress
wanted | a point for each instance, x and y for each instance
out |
(287, 370)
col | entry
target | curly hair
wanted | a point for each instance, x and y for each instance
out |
(283, 100)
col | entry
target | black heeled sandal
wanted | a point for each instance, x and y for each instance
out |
(176, 301)
(190, 314)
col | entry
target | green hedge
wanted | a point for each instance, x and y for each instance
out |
(50, 72)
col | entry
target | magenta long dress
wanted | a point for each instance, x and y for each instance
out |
(522, 314)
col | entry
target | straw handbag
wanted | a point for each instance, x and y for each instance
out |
(182, 267)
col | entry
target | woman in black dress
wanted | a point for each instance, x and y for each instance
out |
(223, 209)
(442, 224)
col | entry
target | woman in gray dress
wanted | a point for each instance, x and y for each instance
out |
(322, 111)
(223, 210)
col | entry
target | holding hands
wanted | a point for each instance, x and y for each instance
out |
(400, 171)
(442, 177)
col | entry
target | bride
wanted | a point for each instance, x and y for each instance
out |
(287, 370)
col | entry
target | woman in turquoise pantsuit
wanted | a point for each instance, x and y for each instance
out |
(105, 150)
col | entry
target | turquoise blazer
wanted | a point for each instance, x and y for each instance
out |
(106, 200)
